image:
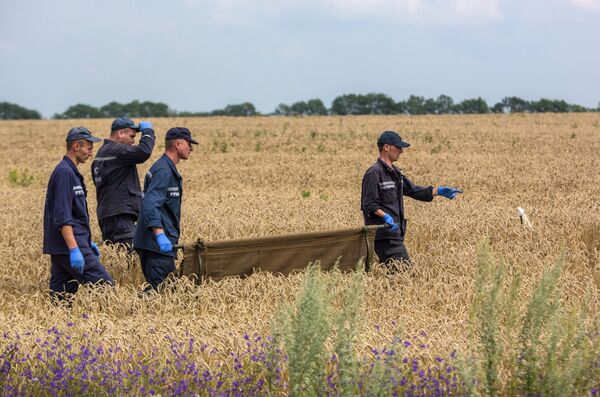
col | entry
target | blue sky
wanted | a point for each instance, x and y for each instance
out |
(202, 55)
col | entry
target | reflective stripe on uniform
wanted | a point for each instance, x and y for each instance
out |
(105, 158)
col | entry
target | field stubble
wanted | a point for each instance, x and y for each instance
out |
(266, 176)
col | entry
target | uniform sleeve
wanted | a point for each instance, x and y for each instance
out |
(370, 197)
(136, 154)
(154, 197)
(62, 213)
(421, 193)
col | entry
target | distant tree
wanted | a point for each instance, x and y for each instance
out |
(416, 105)
(146, 109)
(299, 109)
(376, 103)
(80, 111)
(242, 109)
(312, 107)
(444, 104)
(283, 110)
(315, 107)
(401, 108)
(218, 112)
(549, 105)
(498, 108)
(473, 106)
(578, 108)
(347, 104)
(114, 109)
(192, 114)
(513, 104)
(430, 106)
(11, 111)
(373, 103)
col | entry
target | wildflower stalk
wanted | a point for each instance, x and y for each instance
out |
(346, 327)
(307, 330)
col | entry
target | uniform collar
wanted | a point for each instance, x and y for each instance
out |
(171, 164)
(393, 169)
(72, 165)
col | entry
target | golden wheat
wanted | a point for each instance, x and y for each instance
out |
(247, 178)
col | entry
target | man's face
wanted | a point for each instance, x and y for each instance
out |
(83, 150)
(126, 136)
(394, 152)
(184, 148)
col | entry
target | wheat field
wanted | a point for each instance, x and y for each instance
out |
(272, 175)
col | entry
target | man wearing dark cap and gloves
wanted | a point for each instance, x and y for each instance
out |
(383, 189)
(114, 172)
(158, 229)
(67, 236)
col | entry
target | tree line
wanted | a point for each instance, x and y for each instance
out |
(347, 104)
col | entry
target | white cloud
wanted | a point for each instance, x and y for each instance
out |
(447, 11)
(587, 4)
(428, 11)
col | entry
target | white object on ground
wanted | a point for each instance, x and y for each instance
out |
(524, 220)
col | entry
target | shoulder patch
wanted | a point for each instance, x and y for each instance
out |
(387, 185)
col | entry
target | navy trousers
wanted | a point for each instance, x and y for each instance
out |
(118, 229)
(63, 278)
(391, 249)
(156, 267)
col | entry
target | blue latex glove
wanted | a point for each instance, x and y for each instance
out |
(144, 125)
(448, 192)
(387, 218)
(76, 259)
(164, 243)
(95, 249)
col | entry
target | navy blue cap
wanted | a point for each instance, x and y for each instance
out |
(123, 122)
(391, 138)
(180, 133)
(81, 133)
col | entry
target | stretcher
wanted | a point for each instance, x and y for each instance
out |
(346, 249)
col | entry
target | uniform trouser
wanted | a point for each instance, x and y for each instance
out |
(118, 229)
(156, 267)
(63, 278)
(391, 249)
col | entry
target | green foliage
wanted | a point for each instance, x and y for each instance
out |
(555, 351)
(241, 110)
(473, 106)
(11, 111)
(116, 109)
(305, 193)
(20, 178)
(80, 111)
(373, 103)
(220, 146)
(487, 303)
(306, 330)
(347, 104)
(312, 107)
(415, 105)
(445, 143)
(346, 328)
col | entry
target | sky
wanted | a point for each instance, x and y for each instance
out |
(201, 55)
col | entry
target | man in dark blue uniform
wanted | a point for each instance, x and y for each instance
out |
(114, 172)
(382, 198)
(157, 230)
(67, 235)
